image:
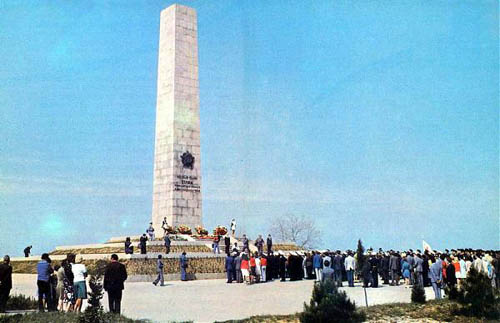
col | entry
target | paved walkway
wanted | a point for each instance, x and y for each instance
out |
(211, 300)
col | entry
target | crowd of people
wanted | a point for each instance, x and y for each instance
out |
(63, 287)
(436, 269)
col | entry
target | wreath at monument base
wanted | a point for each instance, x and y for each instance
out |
(201, 230)
(171, 230)
(220, 230)
(184, 229)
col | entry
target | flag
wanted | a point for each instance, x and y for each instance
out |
(426, 246)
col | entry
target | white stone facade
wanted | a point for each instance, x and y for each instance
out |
(177, 188)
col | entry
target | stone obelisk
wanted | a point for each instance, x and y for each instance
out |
(177, 162)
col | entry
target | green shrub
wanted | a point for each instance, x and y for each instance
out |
(21, 302)
(478, 296)
(360, 256)
(94, 313)
(328, 304)
(418, 294)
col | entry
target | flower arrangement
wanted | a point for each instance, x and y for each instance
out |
(184, 229)
(171, 230)
(201, 230)
(220, 230)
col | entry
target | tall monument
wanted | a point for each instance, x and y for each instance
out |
(177, 162)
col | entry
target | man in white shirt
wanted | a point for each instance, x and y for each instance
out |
(350, 267)
(79, 285)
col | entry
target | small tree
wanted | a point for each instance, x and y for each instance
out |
(478, 296)
(301, 230)
(329, 305)
(94, 313)
(360, 256)
(418, 294)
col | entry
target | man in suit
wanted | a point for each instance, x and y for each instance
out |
(395, 268)
(411, 261)
(436, 275)
(374, 263)
(419, 268)
(269, 244)
(337, 267)
(230, 267)
(227, 244)
(5, 282)
(183, 264)
(317, 265)
(114, 276)
(328, 273)
(159, 270)
(142, 243)
(166, 238)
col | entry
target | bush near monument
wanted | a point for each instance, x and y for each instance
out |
(21, 302)
(328, 304)
(417, 294)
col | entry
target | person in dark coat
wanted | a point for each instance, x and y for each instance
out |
(230, 268)
(245, 243)
(237, 268)
(384, 267)
(282, 267)
(337, 267)
(425, 269)
(374, 263)
(129, 248)
(269, 243)
(27, 251)
(167, 243)
(114, 276)
(5, 282)
(395, 267)
(451, 279)
(366, 273)
(142, 243)
(227, 243)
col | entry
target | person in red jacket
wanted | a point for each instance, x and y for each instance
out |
(253, 273)
(263, 267)
(244, 267)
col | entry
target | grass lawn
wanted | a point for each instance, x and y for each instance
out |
(432, 311)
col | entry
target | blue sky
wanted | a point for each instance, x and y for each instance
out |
(379, 120)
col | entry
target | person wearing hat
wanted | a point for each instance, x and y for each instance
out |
(5, 282)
